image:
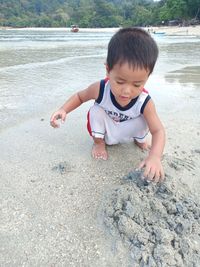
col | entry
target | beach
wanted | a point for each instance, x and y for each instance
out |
(177, 30)
(170, 30)
(52, 190)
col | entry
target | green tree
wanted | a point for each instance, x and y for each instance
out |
(94, 13)
(143, 16)
(193, 8)
(177, 8)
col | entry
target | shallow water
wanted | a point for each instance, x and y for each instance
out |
(39, 68)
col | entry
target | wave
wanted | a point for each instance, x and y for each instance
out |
(52, 36)
(47, 63)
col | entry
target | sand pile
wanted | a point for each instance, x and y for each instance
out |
(158, 224)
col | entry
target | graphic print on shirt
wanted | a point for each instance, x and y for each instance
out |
(117, 116)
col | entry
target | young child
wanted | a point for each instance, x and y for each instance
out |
(123, 111)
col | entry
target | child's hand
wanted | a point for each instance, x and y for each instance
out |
(153, 169)
(60, 114)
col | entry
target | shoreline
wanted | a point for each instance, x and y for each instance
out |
(178, 31)
(167, 30)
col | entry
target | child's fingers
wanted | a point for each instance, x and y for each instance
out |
(146, 170)
(53, 121)
(141, 165)
(56, 116)
(150, 175)
(157, 177)
(63, 117)
(54, 124)
(162, 174)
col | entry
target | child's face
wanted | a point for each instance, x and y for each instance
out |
(126, 83)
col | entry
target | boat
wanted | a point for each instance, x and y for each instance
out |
(159, 33)
(74, 28)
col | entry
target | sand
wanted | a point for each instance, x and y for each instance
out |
(176, 30)
(158, 223)
(52, 191)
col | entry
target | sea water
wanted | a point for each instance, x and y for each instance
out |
(40, 68)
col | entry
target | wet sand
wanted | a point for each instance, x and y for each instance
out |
(52, 189)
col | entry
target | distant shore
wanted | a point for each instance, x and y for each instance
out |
(176, 30)
(167, 30)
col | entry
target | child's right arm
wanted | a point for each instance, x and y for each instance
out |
(74, 102)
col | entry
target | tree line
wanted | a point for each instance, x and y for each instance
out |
(96, 13)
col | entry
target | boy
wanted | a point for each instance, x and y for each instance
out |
(123, 111)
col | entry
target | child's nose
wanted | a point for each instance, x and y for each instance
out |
(127, 89)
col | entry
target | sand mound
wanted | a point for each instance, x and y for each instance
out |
(158, 224)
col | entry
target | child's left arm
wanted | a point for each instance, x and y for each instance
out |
(153, 167)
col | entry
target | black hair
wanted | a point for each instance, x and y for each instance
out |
(132, 45)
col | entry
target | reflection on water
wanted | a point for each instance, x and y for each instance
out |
(186, 76)
(40, 68)
(175, 56)
(43, 46)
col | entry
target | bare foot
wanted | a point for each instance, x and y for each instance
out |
(99, 150)
(143, 146)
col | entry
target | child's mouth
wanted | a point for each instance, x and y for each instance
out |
(124, 98)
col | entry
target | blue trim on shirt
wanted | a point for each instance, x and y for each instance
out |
(101, 91)
(136, 137)
(117, 105)
(144, 104)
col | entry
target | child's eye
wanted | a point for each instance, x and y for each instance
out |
(137, 85)
(119, 82)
